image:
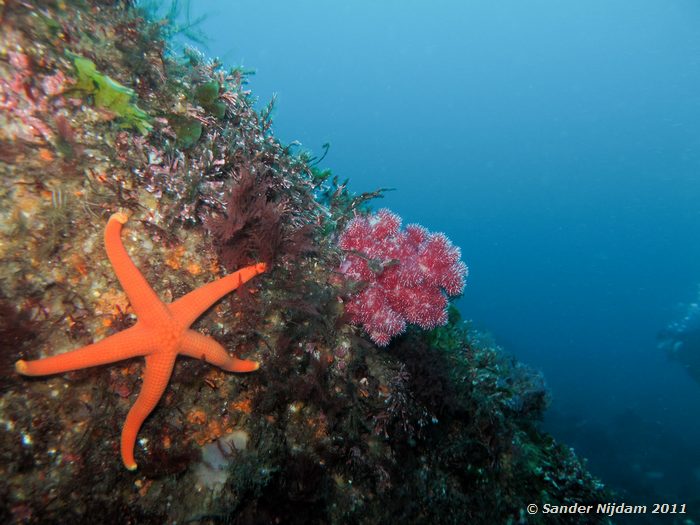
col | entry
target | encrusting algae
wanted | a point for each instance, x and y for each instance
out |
(98, 117)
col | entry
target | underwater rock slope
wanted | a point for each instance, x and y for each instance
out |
(98, 117)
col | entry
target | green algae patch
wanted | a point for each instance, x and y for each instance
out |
(187, 130)
(109, 94)
(207, 96)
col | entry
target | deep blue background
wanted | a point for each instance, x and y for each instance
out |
(558, 143)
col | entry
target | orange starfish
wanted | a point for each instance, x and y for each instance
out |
(161, 333)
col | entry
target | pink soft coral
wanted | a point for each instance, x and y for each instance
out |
(407, 275)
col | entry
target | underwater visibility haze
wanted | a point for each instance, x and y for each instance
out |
(312, 262)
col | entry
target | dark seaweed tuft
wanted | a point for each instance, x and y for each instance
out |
(257, 225)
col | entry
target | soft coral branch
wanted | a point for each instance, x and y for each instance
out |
(407, 275)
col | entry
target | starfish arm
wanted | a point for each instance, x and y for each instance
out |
(144, 300)
(159, 367)
(203, 347)
(122, 345)
(189, 307)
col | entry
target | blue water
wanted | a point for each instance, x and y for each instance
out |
(558, 143)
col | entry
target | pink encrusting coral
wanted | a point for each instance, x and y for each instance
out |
(26, 96)
(407, 275)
